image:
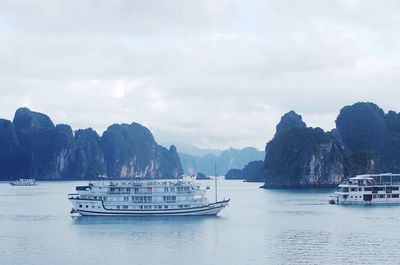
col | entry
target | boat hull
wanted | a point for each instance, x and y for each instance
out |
(339, 200)
(96, 208)
(383, 203)
(26, 185)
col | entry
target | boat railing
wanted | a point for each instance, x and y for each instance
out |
(73, 196)
(148, 192)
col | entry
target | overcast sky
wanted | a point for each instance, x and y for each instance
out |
(211, 73)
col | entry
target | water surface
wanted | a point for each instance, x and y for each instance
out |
(258, 227)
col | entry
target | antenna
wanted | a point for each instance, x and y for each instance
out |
(216, 183)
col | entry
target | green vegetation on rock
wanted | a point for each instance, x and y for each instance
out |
(32, 146)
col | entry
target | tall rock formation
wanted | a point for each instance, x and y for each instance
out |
(32, 146)
(298, 156)
(372, 136)
(130, 150)
(89, 157)
(366, 140)
(49, 147)
(13, 157)
(290, 120)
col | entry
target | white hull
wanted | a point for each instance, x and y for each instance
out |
(394, 202)
(97, 209)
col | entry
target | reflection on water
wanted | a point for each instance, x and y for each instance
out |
(258, 227)
(141, 220)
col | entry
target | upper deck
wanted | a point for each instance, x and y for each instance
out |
(141, 187)
(386, 179)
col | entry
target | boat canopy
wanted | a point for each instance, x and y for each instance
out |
(371, 176)
(362, 177)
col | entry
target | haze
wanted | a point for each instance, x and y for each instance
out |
(208, 73)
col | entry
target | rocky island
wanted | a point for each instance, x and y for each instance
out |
(252, 172)
(365, 140)
(32, 146)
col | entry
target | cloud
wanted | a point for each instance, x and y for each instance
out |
(209, 73)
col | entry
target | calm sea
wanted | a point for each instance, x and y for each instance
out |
(258, 227)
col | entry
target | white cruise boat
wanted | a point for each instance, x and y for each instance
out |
(23, 182)
(371, 189)
(143, 198)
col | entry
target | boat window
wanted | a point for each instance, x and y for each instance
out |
(117, 206)
(165, 206)
(395, 195)
(389, 195)
(169, 198)
(345, 196)
(125, 206)
(87, 206)
(80, 205)
(395, 188)
(353, 189)
(374, 196)
(359, 189)
(368, 189)
(381, 196)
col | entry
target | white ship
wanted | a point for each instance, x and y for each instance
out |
(144, 198)
(371, 189)
(24, 182)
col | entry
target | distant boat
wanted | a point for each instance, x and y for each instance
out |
(371, 189)
(24, 182)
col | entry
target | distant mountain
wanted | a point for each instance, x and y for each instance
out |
(32, 146)
(366, 140)
(196, 151)
(228, 159)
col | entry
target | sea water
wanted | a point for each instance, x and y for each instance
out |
(258, 227)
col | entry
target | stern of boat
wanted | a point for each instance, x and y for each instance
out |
(334, 199)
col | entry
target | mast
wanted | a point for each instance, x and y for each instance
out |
(216, 183)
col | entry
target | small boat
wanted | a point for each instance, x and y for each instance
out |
(24, 182)
(369, 189)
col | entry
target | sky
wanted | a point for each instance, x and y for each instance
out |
(211, 73)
